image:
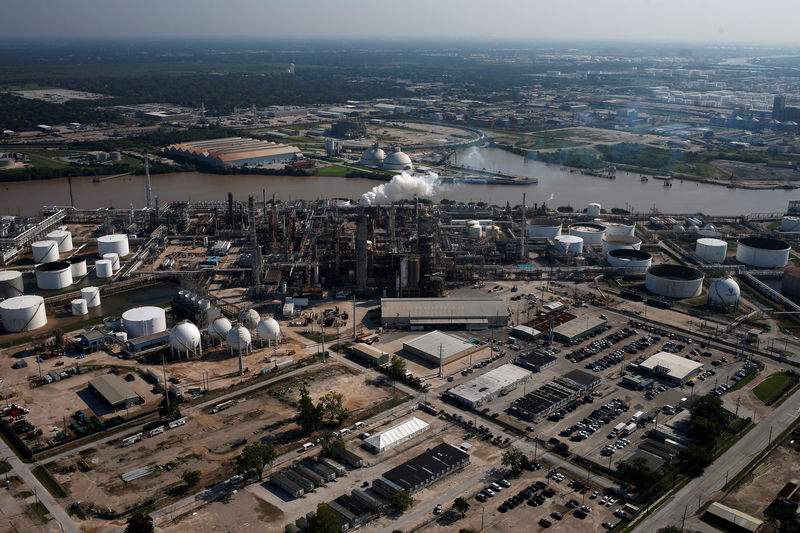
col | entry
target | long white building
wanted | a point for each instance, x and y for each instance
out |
(235, 152)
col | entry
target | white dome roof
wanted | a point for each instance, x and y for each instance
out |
(373, 156)
(249, 319)
(219, 327)
(238, 337)
(268, 330)
(724, 292)
(397, 160)
(184, 337)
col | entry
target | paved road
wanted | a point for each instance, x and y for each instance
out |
(24, 472)
(703, 488)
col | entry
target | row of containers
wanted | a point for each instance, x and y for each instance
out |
(26, 312)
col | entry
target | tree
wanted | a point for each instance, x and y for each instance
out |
(323, 521)
(332, 443)
(513, 459)
(709, 407)
(461, 506)
(169, 412)
(310, 417)
(703, 431)
(191, 477)
(698, 457)
(401, 501)
(255, 456)
(638, 474)
(332, 407)
(139, 522)
(397, 368)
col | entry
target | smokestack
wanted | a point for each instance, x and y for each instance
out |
(230, 209)
(147, 175)
(251, 205)
(522, 233)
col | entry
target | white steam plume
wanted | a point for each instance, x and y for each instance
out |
(402, 187)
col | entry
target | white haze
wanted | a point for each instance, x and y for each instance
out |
(404, 186)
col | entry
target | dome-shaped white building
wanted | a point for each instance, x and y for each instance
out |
(218, 328)
(269, 330)
(373, 156)
(185, 339)
(239, 340)
(724, 294)
(250, 319)
(397, 160)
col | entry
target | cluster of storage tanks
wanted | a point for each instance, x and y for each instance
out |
(481, 228)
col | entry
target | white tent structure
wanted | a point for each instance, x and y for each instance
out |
(393, 436)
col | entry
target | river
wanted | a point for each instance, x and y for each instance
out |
(556, 187)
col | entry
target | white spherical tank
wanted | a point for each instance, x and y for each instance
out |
(53, 276)
(113, 259)
(78, 266)
(218, 328)
(79, 307)
(632, 261)
(23, 313)
(593, 209)
(250, 319)
(724, 294)
(762, 252)
(569, 244)
(116, 244)
(11, 284)
(620, 227)
(91, 295)
(790, 224)
(615, 242)
(711, 250)
(238, 338)
(103, 269)
(590, 232)
(45, 251)
(268, 330)
(63, 238)
(674, 281)
(142, 321)
(543, 228)
(185, 339)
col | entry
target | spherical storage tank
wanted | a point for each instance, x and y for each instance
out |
(762, 252)
(238, 339)
(63, 238)
(711, 250)
(615, 242)
(185, 339)
(113, 244)
(44, 251)
(590, 232)
(674, 281)
(11, 284)
(620, 227)
(268, 330)
(593, 209)
(91, 295)
(790, 224)
(724, 294)
(79, 307)
(250, 319)
(53, 276)
(543, 227)
(23, 313)
(218, 328)
(77, 265)
(103, 268)
(632, 261)
(569, 244)
(142, 321)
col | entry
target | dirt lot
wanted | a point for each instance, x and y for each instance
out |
(758, 174)
(244, 511)
(15, 511)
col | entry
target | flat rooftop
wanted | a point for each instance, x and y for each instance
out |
(670, 364)
(455, 309)
(490, 383)
(431, 344)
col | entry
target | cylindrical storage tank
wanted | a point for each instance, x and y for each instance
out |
(143, 321)
(114, 156)
(238, 338)
(711, 250)
(724, 294)
(185, 339)
(475, 231)
(218, 328)
(790, 283)
(268, 330)
(250, 319)
(678, 228)
(116, 244)
(615, 242)
(620, 227)
(11, 284)
(204, 304)
(569, 244)
(103, 268)
(79, 307)
(53, 276)
(591, 233)
(674, 281)
(593, 209)
(790, 224)
(91, 295)
(44, 251)
(632, 261)
(762, 252)
(113, 259)
(23, 313)
(543, 228)
(63, 238)
(78, 266)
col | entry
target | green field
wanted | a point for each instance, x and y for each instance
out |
(773, 386)
(333, 170)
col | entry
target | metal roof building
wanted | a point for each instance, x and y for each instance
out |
(432, 313)
(114, 390)
(490, 385)
(370, 354)
(675, 368)
(728, 516)
(579, 327)
(431, 345)
(395, 435)
(422, 470)
(235, 151)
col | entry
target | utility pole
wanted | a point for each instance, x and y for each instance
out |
(164, 369)
(322, 328)
(440, 360)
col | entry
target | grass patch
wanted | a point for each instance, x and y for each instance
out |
(4, 467)
(744, 381)
(333, 170)
(25, 494)
(773, 387)
(49, 483)
(40, 510)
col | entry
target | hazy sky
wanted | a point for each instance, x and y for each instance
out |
(747, 21)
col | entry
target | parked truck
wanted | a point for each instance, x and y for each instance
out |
(222, 406)
(133, 439)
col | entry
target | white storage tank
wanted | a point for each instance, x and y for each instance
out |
(23, 313)
(615, 242)
(91, 295)
(250, 319)
(674, 281)
(632, 261)
(762, 252)
(44, 251)
(113, 259)
(238, 339)
(724, 294)
(268, 330)
(116, 244)
(593, 209)
(569, 244)
(79, 307)
(121, 336)
(711, 250)
(77, 265)
(590, 232)
(103, 269)
(620, 227)
(790, 224)
(543, 228)
(11, 284)
(53, 276)
(218, 328)
(142, 321)
(475, 231)
(185, 339)
(63, 238)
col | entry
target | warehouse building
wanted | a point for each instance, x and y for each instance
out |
(535, 361)
(443, 313)
(525, 333)
(372, 356)
(436, 344)
(492, 384)
(554, 395)
(422, 471)
(235, 152)
(672, 367)
(731, 519)
(114, 391)
(578, 328)
(398, 434)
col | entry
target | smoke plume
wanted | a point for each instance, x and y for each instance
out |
(402, 187)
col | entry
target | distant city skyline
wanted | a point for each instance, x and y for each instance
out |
(707, 21)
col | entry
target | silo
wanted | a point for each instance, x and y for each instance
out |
(113, 259)
(44, 251)
(762, 252)
(91, 295)
(590, 232)
(116, 243)
(616, 242)
(103, 268)
(569, 244)
(593, 209)
(53, 276)
(11, 284)
(79, 307)
(77, 265)
(543, 228)
(23, 313)
(63, 238)
(711, 250)
(142, 321)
